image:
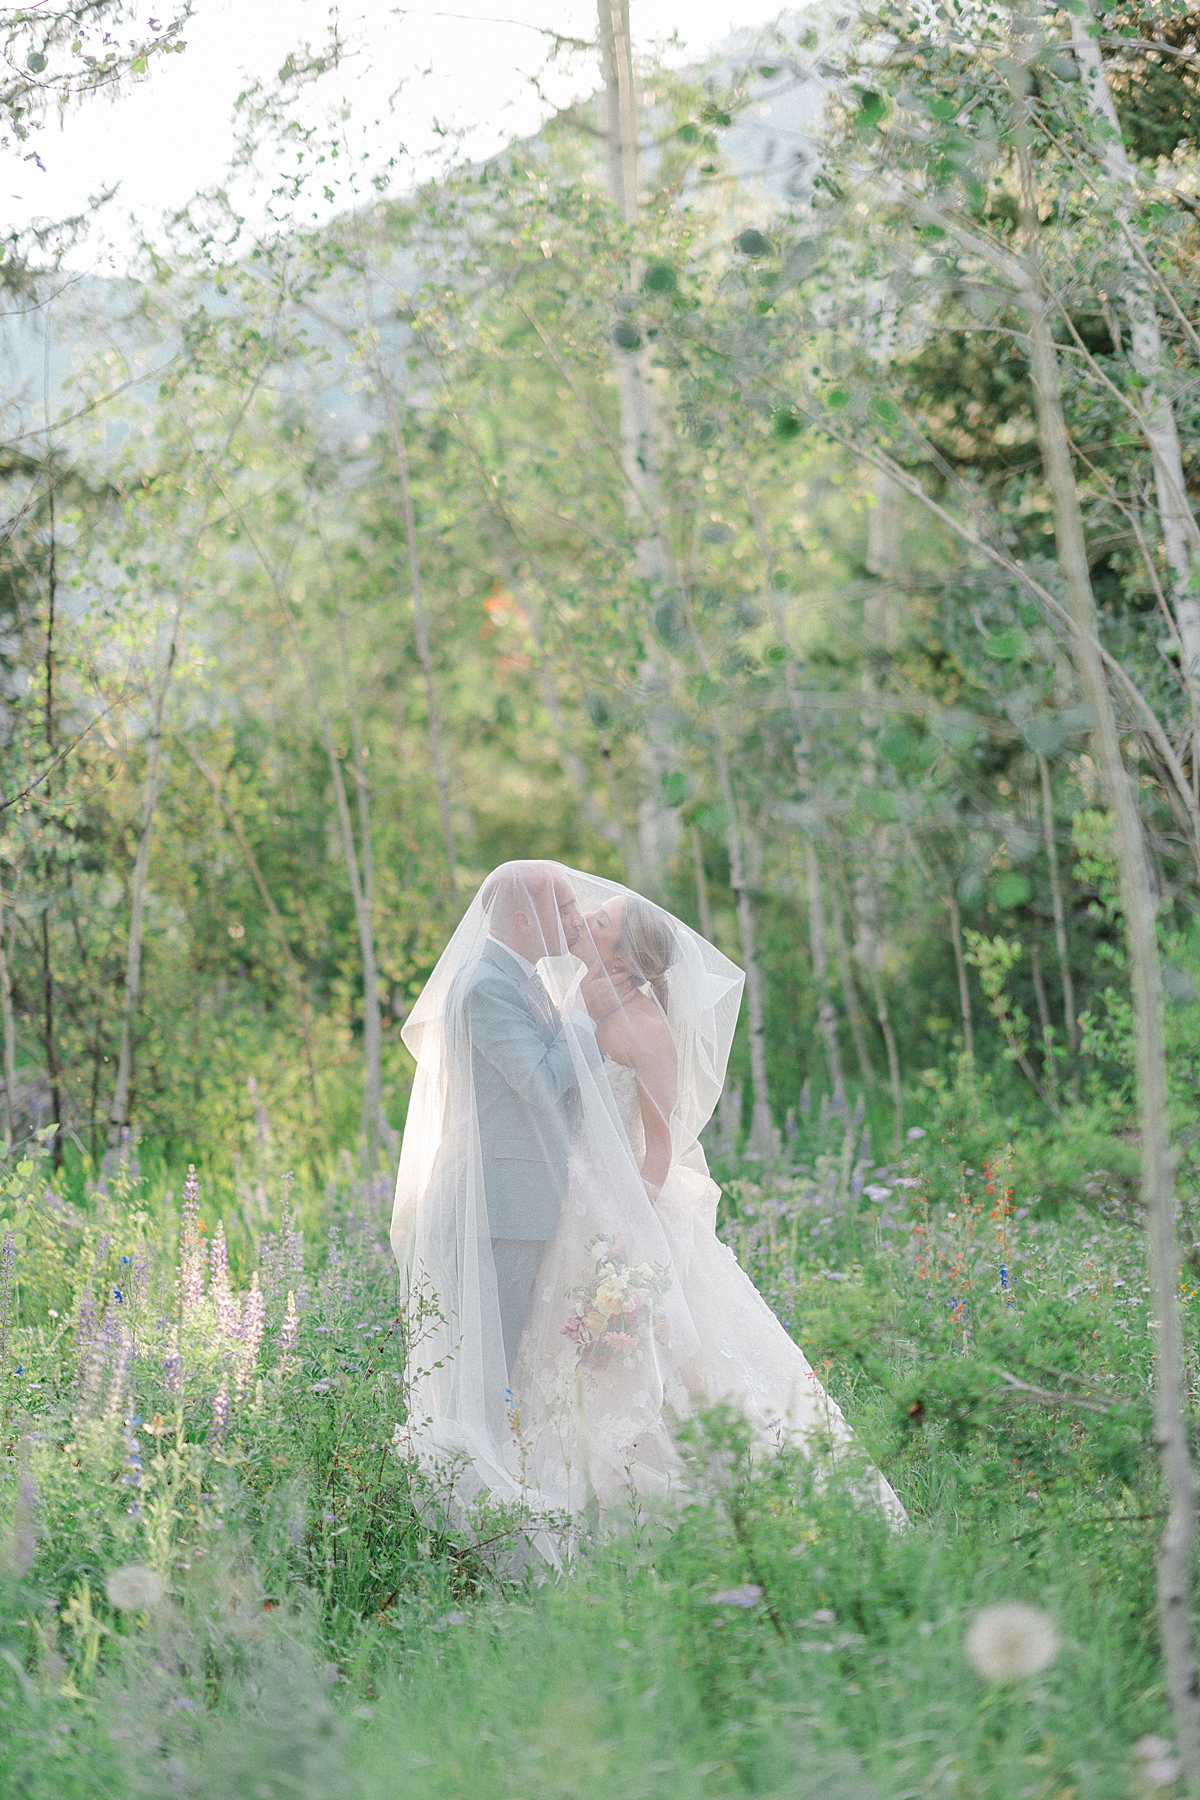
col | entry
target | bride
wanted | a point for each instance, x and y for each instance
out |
(554, 1211)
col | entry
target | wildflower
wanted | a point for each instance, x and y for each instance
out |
(877, 1192)
(915, 1133)
(8, 1278)
(114, 1405)
(1159, 1767)
(290, 1329)
(191, 1249)
(229, 1309)
(24, 1524)
(746, 1596)
(1010, 1641)
(220, 1412)
(134, 1588)
(253, 1318)
(172, 1364)
(133, 1463)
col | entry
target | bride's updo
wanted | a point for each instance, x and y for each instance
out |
(646, 945)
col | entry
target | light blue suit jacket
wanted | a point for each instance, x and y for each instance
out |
(525, 1084)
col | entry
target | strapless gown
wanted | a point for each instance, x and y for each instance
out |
(640, 1318)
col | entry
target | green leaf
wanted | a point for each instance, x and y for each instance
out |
(775, 654)
(676, 787)
(787, 424)
(898, 746)
(837, 397)
(1178, 986)
(35, 62)
(945, 108)
(884, 411)
(1006, 646)
(752, 243)
(1011, 890)
(884, 806)
(626, 336)
(659, 278)
(688, 134)
(710, 818)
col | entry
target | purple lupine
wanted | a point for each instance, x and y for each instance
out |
(139, 1280)
(191, 1246)
(229, 1310)
(8, 1288)
(133, 1464)
(172, 1365)
(24, 1525)
(290, 1329)
(93, 1356)
(220, 1413)
(114, 1404)
(254, 1313)
(87, 1326)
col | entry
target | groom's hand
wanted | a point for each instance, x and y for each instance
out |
(601, 994)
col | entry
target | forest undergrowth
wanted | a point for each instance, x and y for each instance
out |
(223, 1577)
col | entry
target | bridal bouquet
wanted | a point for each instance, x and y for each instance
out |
(616, 1310)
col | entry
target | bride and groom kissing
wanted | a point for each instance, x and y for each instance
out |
(523, 1060)
(554, 1204)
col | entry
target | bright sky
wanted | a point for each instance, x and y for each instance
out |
(413, 72)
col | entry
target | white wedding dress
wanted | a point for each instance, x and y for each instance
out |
(595, 1422)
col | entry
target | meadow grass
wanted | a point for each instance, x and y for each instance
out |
(324, 1631)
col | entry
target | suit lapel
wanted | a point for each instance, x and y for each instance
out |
(542, 1009)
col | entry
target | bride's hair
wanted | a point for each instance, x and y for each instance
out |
(647, 944)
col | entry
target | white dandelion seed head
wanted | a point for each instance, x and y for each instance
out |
(1151, 1749)
(134, 1588)
(1164, 1772)
(1010, 1641)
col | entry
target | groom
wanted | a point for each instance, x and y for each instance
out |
(523, 1071)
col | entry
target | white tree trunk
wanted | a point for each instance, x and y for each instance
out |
(421, 630)
(960, 964)
(1140, 910)
(1056, 898)
(658, 824)
(118, 1118)
(10, 1036)
(1180, 534)
(826, 1012)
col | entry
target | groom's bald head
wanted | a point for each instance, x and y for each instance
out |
(531, 907)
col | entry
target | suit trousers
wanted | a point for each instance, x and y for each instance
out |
(516, 1261)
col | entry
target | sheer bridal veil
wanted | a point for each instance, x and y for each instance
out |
(512, 1108)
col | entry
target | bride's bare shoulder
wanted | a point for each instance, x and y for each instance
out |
(638, 1031)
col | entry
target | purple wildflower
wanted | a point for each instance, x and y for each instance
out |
(229, 1307)
(191, 1249)
(114, 1404)
(133, 1464)
(8, 1287)
(254, 1311)
(220, 1413)
(290, 1329)
(172, 1365)
(24, 1526)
